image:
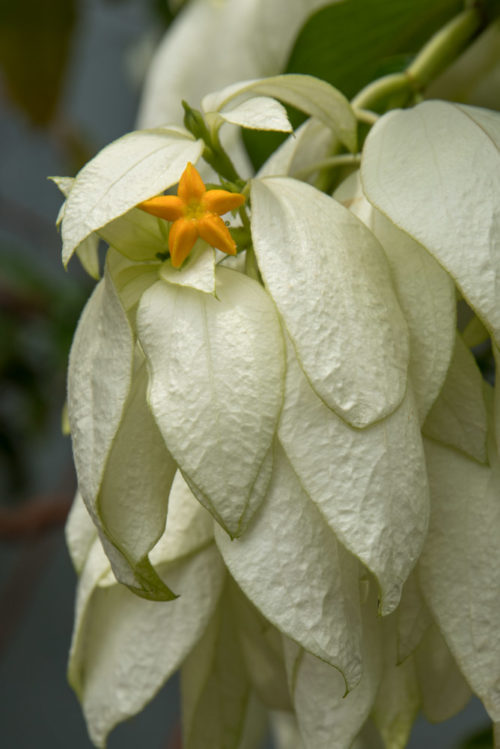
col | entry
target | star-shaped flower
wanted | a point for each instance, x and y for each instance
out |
(195, 212)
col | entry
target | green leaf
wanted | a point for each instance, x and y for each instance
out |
(352, 42)
(331, 284)
(217, 369)
(426, 191)
(302, 580)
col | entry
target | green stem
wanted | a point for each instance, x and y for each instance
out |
(444, 47)
(435, 56)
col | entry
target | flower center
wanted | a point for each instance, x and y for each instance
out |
(194, 209)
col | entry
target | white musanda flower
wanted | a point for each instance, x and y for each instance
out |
(294, 457)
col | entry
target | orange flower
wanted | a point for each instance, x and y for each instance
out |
(195, 212)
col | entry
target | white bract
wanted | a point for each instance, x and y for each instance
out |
(261, 409)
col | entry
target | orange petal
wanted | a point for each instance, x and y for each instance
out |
(169, 207)
(213, 230)
(222, 201)
(183, 234)
(191, 186)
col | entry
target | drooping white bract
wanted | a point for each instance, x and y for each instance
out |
(216, 388)
(434, 170)
(331, 283)
(124, 648)
(425, 292)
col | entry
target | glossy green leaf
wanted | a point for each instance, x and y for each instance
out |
(458, 416)
(443, 191)
(131, 169)
(381, 516)
(217, 368)
(347, 43)
(312, 96)
(460, 565)
(289, 564)
(330, 281)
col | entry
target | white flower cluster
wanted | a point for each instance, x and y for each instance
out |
(315, 434)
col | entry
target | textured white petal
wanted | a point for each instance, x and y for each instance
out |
(197, 272)
(326, 716)
(80, 532)
(435, 172)
(189, 526)
(99, 377)
(311, 95)
(331, 283)
(310, 143)
(458, 416)
(259, 113)
(262, 649)
(215, 686)
(443, 688)
(133, 497)
(217, 368)
(370, 485)
(291, 567)
(125, 648)
(252, 34)
(413, 618)
(460, 566)
(131, 169)
(137, 235)
(130, 279)
(398, 699)
(425, 292)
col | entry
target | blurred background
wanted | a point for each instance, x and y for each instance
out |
(70, 76)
